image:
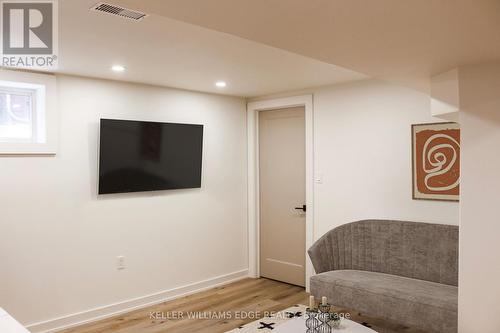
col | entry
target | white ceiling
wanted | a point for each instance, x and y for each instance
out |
(406, 41)
(161, 51)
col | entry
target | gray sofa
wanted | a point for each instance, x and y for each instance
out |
(405, 272)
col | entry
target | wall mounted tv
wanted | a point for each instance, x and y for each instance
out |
(139, 156)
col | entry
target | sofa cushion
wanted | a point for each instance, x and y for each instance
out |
(421, 304)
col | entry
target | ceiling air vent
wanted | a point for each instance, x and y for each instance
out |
(104, 7)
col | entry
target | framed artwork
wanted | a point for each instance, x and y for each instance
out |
(436, 161)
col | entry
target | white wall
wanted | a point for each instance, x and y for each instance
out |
(363, 152)
(59, 241)
(479, 289)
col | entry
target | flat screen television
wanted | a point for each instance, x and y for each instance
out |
(137, 156)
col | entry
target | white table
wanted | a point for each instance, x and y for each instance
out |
(298, 325)
(9, 324)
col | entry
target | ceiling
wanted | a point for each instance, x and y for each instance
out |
(404, 41)
(162, 51)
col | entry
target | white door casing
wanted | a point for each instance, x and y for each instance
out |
(253, 176)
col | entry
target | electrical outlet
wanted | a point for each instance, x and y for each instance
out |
(120, 262)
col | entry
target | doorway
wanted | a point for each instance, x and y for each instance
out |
(253, 110)
(282, 197)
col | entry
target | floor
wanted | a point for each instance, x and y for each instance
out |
(227, 305)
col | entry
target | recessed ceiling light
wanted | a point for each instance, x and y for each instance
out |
(220, 84)
(118, 68)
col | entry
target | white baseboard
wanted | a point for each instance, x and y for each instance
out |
(111, 310)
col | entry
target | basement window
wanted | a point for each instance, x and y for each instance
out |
(28, 113)
(18, 115)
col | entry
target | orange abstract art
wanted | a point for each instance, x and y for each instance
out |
(436, 161)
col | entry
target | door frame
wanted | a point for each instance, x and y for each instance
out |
(253, 109)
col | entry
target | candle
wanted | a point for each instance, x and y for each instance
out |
(311, 302)
(323, 300)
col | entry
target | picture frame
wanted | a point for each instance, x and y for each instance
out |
(436, 161)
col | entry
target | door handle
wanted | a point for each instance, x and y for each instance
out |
(303, 208)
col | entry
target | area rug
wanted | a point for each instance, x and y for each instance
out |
(269, 323)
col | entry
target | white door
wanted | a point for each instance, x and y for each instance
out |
(282, 194)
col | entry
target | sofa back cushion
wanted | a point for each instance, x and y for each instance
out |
(417, 250)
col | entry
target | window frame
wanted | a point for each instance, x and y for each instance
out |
(44, 112)
(35, 117)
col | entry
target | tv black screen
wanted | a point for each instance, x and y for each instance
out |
(139, 156)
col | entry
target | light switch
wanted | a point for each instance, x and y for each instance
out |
(120, 262)
(318, 179)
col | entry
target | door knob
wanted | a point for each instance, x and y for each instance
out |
(303, 208)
